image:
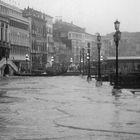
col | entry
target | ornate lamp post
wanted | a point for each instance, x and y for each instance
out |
(99, 81)
(80, 60)
(83, 54)
(117, 37)
(88, 59)
(81, 66)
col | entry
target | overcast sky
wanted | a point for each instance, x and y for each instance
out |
(94, 15)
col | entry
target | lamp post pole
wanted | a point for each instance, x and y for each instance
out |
(70, 66)
(116, 80)
(83, 52)
(27, 59)
(80, 61)
(117, 37)
(88, 58)
(99, 71)
(99, 81)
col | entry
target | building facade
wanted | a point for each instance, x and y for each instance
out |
(74, 37)
(4, 42)
(129, 44)
(60, 52)
(38, 35)
(14, 31)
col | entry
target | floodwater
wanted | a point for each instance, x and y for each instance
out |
(66, 108)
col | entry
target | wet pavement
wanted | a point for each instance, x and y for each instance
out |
(66, 108)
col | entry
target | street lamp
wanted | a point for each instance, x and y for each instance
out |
(81, 61)
(52, 60)
(70, 65)
(99, 81)
(71, 60)
(117, 37)
(26, 59)
(88, 59)
(83, 54)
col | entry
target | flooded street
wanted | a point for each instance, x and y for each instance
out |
(66, 108)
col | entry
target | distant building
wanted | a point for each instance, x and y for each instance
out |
(14, 36)
(129, 44)
(38, 35)
(89, 38)
(74, 37)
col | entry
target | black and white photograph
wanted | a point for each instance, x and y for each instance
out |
(69, 69)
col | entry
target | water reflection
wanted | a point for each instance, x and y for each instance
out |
(116, 122)
(30, 108)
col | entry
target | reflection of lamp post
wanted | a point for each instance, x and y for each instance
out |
(99, 82)
(117, 37)
(88, 59)
(27, 59)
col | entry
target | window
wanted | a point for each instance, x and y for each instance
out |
(19, 25)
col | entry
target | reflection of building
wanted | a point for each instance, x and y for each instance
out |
(38, 38)
(14, 35)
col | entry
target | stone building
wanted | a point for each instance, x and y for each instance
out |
(14, 37)
(38, 35)
(75, 39)
(129, 44)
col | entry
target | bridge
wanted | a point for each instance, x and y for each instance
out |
(10, 63)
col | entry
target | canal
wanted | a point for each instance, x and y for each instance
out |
(66, 108)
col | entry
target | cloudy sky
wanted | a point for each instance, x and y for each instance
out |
(94, 15)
